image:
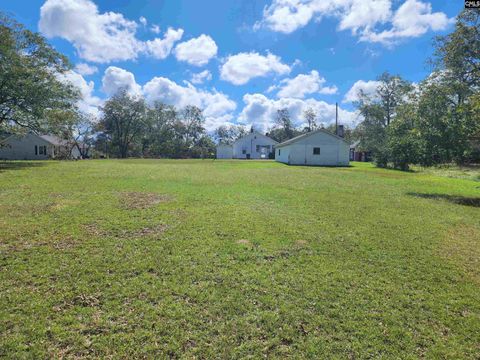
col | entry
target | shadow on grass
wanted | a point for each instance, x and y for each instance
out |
(454, 199)
(19, 165)
(312, 166)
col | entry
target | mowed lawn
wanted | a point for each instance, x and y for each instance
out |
(231, 259)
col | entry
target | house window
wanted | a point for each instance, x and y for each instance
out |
(244, 151)
(264, 149)
(316, 151)
(278, 152)
(41, 150)
(36, 150)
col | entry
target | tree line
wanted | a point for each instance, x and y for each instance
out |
(436, 121)
(129, 127)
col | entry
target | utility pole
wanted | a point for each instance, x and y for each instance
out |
(336, 118)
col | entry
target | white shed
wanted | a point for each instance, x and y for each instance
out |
(251, 146)
(319, 147)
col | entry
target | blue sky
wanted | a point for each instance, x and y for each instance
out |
(240, 61)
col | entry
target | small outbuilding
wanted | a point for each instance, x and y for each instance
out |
(357, 153)
(251, 146)
(319, 147)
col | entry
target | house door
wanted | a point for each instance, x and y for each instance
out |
(248, 156)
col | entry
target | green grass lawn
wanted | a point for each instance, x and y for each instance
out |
(230, 259)
(471, 172)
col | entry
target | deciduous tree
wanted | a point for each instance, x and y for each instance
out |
(124, 120)
(29, 83)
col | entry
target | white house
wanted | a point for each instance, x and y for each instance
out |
(251, 146)
(319, 147)
(36, 147)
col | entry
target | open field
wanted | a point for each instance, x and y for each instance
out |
(224, 259)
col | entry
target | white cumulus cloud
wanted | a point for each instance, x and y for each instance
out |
(201, 77)
(217, 107)
(240, 68)
(367, 87)
(305, 84)
(88, 102)
(85, 69)
(116, 79)
(97, 37)
(197, 51)
(100, 37)
(412, 19)
(364, 18)
(161, 48)
(261, 111)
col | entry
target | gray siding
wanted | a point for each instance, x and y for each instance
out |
(23, 148)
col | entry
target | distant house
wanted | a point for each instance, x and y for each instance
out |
(224, 151)
(319, 147)
(357, 153)
(252, 146)
(36, 147)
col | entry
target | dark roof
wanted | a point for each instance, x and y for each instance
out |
(300, 137)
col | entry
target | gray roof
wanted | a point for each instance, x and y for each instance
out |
(54, 140)
(300, 137)
(355, 144)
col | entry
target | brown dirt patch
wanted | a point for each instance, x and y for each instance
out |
(65, 243)
(391, 175)
(139, 200)
(301, 243)
(97, 231)
(57, 242)
(244, 242)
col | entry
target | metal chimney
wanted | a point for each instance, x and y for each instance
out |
(340, 131)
